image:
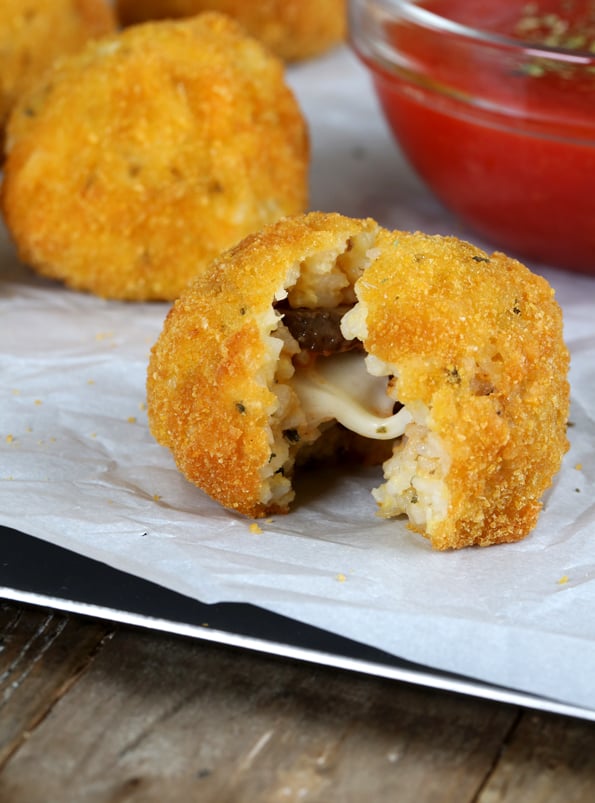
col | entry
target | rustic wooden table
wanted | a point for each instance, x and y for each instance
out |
(91, 712)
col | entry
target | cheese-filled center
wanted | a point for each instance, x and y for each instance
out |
(339, 387)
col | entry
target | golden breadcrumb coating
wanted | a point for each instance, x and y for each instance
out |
(212, 394)
(292, 29)
(475, 341)
(466, 349)
(146, 155)
(33, 33)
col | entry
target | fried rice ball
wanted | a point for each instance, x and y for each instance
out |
(292, 29)
(451, 357)
(33, 33)
(146, 155)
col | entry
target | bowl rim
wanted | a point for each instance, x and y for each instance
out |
(412, 11)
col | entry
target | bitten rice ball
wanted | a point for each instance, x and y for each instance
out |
(146, 155)
(292, 29)
(35, 32)
(321, 331)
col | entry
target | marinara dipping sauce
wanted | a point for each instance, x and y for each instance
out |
(493, 103)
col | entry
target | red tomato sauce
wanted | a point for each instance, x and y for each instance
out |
(505, 138)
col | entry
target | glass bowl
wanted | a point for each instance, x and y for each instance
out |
(493, 104)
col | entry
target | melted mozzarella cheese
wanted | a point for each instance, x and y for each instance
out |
(339, 387)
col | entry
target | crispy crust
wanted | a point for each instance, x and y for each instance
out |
(142, 158)
(35, 33)
(477, 340)
(474, 342)
(211, 371)
(292, 29)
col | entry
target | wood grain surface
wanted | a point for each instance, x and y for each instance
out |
(95, 713)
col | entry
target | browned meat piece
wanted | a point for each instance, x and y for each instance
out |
(318, 330)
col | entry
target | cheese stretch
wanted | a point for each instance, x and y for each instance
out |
(340, 388)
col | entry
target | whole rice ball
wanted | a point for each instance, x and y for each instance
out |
(140, 159)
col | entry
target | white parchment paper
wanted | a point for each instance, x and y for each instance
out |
(78, 466)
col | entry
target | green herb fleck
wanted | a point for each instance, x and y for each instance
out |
(452, 376)
(574, 32)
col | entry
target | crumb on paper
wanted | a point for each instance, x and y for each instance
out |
(90, 381)
(563, 580)
(103, 336)
(10, 438)
(38, 402)
(16, 392)
(156, 497)
(340, 577)
(131, 419)
(93, 435)
(255, 529)
(579, 466)
(45, 441)
(142, 405)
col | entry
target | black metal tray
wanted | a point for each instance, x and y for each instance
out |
(36, 572)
